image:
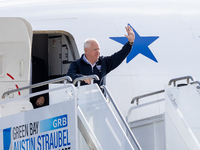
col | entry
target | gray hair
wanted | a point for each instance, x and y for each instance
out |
(88, 41)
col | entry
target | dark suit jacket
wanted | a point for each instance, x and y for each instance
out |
(39, 74)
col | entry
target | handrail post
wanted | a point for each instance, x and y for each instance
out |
(92, 81)
(79, 83)
(121, 117)
(65, 82)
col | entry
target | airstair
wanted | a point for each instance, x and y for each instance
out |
(82, 117)
(173, 122)
(77, 118)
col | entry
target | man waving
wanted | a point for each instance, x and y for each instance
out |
(91, 63)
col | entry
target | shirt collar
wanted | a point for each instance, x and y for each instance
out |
(87, 61)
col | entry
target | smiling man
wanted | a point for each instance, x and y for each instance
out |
(92, 63)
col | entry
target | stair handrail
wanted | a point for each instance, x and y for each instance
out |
(92, 77)
(121, 117)
(37, 85)
(181, 78)
(145, 95)
(196, 82)
(140, 106)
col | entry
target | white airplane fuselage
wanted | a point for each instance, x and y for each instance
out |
(167, 37)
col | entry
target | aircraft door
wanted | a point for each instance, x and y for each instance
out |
(67, 54)
(15, 53)
(60, 55)
(15, 57)
(55, 55)
(15, 49)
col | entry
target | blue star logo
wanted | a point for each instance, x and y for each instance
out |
(140, 45)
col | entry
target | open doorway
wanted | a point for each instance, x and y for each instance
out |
(57, 48)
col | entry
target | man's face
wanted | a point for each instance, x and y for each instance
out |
(93, 52)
